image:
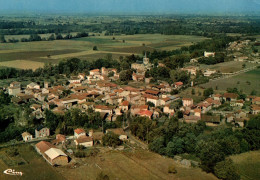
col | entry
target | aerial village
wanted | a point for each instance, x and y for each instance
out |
(96, 91)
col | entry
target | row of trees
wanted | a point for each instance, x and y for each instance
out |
(36, 37)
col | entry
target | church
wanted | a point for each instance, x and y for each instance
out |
(142, 65)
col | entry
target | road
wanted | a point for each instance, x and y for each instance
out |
(136, 141)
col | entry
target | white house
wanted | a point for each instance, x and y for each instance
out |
(27, 136)
(79, 132)
(84, 140)
(209, 54)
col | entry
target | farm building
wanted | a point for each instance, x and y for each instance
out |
(56, 156)
(79, 132)
(118, 131)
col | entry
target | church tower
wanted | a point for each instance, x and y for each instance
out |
(145, 59)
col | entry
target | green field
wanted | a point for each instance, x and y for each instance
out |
(248, 165)
(246, 82)
(54, 51)
(227, 67)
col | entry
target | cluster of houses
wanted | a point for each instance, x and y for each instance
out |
(195, 112)
(193, 70)
(51, 151)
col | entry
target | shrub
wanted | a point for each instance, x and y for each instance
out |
(172, 169)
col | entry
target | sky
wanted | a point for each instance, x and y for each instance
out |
(132, 6)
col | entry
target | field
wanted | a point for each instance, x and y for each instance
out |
(248, 165)
(246, 82)
(120, 45)
(137, 165)
(227, 67)
(34, 166)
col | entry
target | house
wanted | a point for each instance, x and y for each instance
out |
(42, 132)
(191, 119)
(209, 54)
(153, 99)
(168, 109)
(178, 85)
(192, 70)
(230, 117)
(75, 79)
(27, 136)
(208, 72)
(230, 96)
(84, 140)
(187, 102)
(138, 77)
(94, 72)
(124, 106)
(120, 132)
(240, 114)
(79, 132)
(255, 109)
(237, 103)
(33, 85)
(197, 112)
(103, 109)
(211, 120)
(56, 156)
(14, 88)
(256, 100)
(165, 101)
(43, 146)
(241, 121)
(60, 139)
(97, 136)
(146, 113)
(217, 97)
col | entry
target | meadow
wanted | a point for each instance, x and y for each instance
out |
(247, 82)
(119, 45)
(248, 164)
(135, 165)
(33, 167)
(227, 67)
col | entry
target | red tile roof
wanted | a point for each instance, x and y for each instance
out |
(44, 146)
(145, 113)
(148, 91)
(79, 131)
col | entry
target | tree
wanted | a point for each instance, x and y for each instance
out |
(102, 176)
(207, 92)
(95, 48)
(111, 139)
(176, 146)
(125, 75)
(157, 145)
(2, 39)
(226, 170)
(243, 66)
(193, 91)
(210, 154)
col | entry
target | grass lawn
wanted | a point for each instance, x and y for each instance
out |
(34, 168)
(240, 82)
(248, 165)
